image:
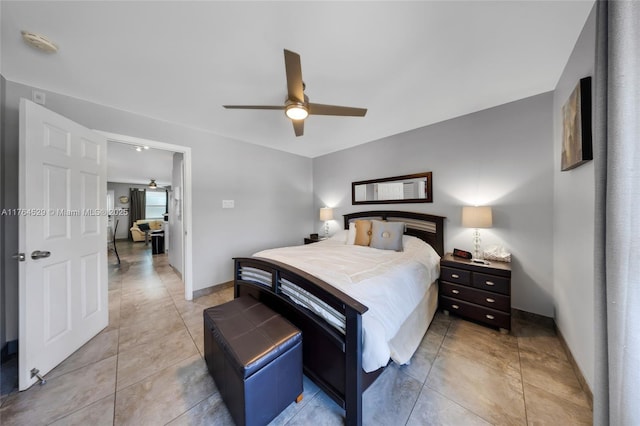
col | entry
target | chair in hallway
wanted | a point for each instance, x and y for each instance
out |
(111, 242)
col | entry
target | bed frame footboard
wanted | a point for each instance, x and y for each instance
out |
(331, 358)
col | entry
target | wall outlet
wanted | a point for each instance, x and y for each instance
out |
(38, 97)
(228, 204)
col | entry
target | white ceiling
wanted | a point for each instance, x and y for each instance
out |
(126, 165)
(410, 63)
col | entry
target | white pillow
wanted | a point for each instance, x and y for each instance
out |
(340, 235)
(351, 236)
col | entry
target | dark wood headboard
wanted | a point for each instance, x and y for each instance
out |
(427, 227)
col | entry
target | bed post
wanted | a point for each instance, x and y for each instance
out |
(353, 370)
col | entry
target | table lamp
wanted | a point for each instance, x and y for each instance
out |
(326, 214)
(476, 217)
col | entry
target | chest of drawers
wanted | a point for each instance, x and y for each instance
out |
(478, 292)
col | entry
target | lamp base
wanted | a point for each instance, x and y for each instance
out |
(476, 245)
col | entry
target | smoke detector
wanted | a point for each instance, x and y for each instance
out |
(39, 42)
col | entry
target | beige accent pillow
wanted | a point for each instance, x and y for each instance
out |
(363, 232)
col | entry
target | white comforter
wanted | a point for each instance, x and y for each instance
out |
(389, 283)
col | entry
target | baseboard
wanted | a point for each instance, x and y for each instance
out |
(550, 323)
(9, 350)
(546, 322)
(212, 289)
(178, 273)
(576, 368)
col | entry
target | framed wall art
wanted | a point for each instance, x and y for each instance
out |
(576, 127)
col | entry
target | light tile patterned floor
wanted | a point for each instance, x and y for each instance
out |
(146, 368)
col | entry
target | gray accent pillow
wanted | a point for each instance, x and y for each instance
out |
(387, 235)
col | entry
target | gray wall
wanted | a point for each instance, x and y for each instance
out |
(500, 157)
(272, 189)
(574, 205)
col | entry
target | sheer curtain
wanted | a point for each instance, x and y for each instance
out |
(617, 227)
(138, 203)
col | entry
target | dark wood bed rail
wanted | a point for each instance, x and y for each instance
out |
(328, 348)
(332, 359)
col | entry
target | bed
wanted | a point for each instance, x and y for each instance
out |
(336, 331)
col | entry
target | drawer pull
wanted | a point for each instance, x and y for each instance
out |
(455, 276)
(490, 283)
(490, 316)
(490, 300)
(455, 291)
(455, 306)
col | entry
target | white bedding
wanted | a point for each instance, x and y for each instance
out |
(391, 284)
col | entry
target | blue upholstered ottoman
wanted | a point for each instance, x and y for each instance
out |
(255, 358)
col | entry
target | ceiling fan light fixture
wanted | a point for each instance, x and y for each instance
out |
(296, 105)
(296, 111)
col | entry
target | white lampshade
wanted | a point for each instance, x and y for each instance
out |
(326, 213)
(476, 217)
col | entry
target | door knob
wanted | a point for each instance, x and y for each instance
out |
(19, 257)
(40, 254)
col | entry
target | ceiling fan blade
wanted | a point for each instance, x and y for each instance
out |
(298, 127)
(295, 89)
(320, 109)
(254, 106)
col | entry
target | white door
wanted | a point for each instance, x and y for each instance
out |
(63, 279)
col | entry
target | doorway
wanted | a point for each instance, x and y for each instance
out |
(180, 200)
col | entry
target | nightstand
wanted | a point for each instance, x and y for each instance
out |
(308, 240)
(478, 292)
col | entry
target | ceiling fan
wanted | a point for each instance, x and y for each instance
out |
(153, 185)
(297, 106)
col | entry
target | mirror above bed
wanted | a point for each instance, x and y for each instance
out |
(415, 188)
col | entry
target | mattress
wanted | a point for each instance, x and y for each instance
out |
(393, 285)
